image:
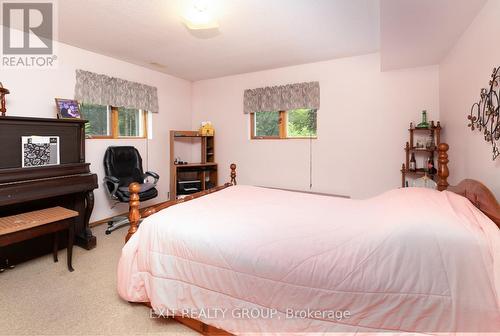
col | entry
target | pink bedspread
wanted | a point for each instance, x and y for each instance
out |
(249, 259)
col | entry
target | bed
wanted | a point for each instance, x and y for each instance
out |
(243, 259)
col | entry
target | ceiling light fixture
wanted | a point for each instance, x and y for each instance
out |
(200, 16)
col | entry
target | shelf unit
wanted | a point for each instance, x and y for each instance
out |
(204, 172)
(435, 132)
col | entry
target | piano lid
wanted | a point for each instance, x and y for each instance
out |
(21, 174)
(41, 189)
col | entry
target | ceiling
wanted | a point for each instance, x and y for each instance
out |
(253, 34)
(421, 32)
(263, 34)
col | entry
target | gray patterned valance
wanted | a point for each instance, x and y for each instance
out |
(92, 88)
(282, 98)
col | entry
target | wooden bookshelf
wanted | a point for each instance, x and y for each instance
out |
(205, 171)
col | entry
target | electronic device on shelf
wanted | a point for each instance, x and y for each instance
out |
(188, 187)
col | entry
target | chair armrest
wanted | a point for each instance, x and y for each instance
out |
(115, 182)
(153, 175)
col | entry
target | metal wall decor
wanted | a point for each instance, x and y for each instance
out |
(485, 116)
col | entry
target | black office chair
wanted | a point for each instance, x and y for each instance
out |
(123, 166)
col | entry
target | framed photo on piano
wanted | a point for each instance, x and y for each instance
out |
(68, 109)
(40, 151)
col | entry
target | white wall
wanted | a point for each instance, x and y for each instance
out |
(465, 70)
(362, 125)
(33, 93)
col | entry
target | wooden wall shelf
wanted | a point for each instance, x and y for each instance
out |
(416, 150)
(430, 129)
(418, 172)
(190, 134)
(196, 165)
(410, 149)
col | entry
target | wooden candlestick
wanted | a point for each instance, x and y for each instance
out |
(3, 92)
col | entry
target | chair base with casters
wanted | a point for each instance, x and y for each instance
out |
(116, 223)
(148, 192)
(123, 165)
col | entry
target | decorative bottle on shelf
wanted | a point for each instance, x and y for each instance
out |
(413, 164)
(430, 142)
(430, 165)
(424, 123)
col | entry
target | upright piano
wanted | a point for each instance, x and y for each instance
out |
(69, 184)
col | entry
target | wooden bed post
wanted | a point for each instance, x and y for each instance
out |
(233, 173)
(443, 172)
(134, 215)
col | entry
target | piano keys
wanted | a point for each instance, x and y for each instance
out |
(69, 184)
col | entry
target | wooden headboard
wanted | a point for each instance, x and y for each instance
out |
(480, 196)
(475, 191)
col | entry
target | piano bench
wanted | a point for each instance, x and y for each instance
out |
(17, 228)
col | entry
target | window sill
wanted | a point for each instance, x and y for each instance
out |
(302, 138)
(294, 138)
(111, 138)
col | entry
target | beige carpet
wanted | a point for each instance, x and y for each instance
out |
(40, 297)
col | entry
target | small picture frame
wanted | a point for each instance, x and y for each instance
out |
(68, 109)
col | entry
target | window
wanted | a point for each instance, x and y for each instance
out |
(131, 123)
(267, 124)
(99, 118)
(106, 122)
(292, 124)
